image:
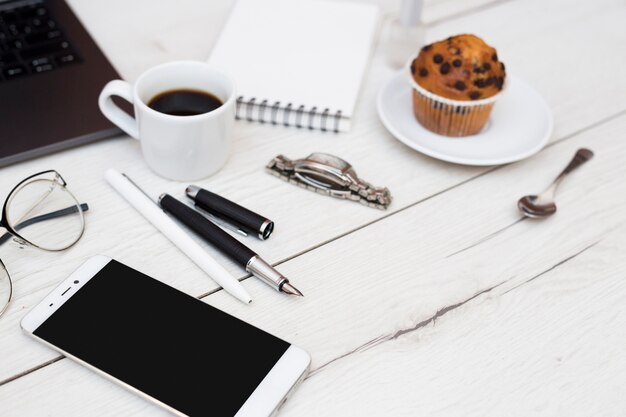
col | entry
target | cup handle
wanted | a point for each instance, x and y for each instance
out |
(112, 112)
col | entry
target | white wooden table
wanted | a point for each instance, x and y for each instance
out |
(446, 304)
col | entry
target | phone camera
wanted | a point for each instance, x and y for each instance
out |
(75, 281)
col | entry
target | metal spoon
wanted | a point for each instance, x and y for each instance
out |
(543, 205)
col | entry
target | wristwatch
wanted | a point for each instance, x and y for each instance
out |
(330, 175)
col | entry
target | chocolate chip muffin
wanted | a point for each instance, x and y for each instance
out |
(456, 82)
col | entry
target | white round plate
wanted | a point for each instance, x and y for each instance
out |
(519, 126)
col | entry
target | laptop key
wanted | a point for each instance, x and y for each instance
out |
(23, 29)
(44, 49)
(14, 71)
(66, 58)
(43, 68)
(16, 43)
(40, 61)
(13, 29)
(30, 12)
(42, 36)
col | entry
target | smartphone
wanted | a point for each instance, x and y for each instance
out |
(165, 345)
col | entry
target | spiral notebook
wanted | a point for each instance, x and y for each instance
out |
(297, 63)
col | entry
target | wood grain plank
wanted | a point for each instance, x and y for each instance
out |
(355, 301)
(550, 347)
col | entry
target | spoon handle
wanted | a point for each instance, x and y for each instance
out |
(582, 156)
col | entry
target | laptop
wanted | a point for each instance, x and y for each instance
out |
(51, 73)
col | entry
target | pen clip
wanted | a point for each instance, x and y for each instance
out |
(219, 221)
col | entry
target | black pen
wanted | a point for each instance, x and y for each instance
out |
(228, 245)
(230, 214)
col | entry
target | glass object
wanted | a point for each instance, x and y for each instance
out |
(39, 212)
(406, 33)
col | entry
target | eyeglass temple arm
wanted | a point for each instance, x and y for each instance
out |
(49, 216)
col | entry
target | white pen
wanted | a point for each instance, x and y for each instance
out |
(151, 211)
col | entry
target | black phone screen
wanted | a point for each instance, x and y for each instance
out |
(165, 343)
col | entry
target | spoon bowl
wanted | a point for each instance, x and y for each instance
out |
(531, 207)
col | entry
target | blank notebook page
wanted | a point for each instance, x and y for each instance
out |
(297, 62)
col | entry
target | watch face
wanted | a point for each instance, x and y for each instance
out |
(330, 160)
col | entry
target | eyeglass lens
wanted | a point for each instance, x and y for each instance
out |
(28, 213)
(6, 289)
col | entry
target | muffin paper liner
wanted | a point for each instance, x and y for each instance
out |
(447, 117)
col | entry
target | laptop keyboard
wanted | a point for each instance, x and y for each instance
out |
(31, 42)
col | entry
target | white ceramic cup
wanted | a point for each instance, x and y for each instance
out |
(181, 148)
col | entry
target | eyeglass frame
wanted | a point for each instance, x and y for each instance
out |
(10, 231)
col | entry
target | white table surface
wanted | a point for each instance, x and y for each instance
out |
(444, 305)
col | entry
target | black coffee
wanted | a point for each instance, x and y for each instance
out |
(184, 102)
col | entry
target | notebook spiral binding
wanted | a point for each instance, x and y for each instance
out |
(287, 115)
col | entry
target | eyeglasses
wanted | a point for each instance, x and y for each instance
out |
(39, 212)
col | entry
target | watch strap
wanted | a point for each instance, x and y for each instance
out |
(358, 190)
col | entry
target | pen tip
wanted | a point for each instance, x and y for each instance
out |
(287, 288)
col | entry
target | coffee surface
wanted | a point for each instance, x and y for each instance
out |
(184, 102)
